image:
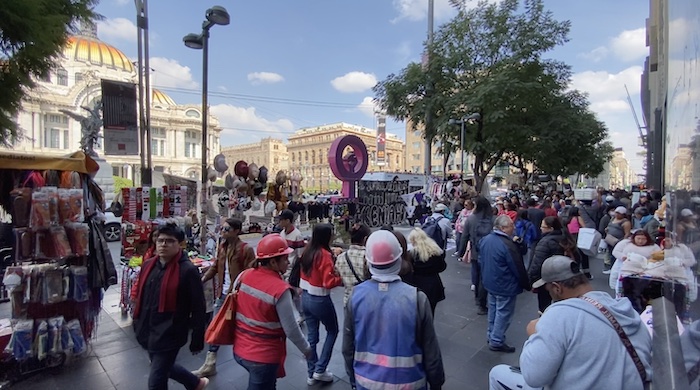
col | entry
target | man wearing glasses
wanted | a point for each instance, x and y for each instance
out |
(170, 303)
(232, 258)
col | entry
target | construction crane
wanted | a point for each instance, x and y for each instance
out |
(642, 133)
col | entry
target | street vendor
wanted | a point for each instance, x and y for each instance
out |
(232, 257)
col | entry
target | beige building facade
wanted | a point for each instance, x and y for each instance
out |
(415, 152)
(270, 152)
(76, 82)
(308, 153)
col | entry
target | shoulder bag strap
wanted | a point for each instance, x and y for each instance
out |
(623, 336)
(352, 269)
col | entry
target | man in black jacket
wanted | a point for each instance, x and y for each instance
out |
(170, 302)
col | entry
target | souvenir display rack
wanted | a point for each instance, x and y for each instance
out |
(59, 263)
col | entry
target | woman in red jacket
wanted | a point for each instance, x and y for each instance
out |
(318, 277)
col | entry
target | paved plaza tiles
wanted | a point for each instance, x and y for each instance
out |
(116, 361)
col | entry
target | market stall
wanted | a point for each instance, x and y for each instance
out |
(59, 264)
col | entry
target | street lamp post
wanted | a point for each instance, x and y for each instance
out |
(465, 119)
(214, 15)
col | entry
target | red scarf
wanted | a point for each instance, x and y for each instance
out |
(167, 301)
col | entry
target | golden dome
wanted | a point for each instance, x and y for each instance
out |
(160, 98)
(92, 50)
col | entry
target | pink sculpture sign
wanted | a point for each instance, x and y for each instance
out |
(351, 166)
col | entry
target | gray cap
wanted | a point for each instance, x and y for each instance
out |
(556, 269)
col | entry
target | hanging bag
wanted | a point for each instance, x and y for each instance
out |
(222, 329)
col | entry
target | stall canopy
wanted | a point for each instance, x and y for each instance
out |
(78, 162)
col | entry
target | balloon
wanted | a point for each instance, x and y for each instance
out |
(258, 188)
(244, 185)
(253, 171)
(257, 204)
(220, 163)
(212, 175)
(269, 207)
(237, 183)
(241, 168)
(228, 182)
(281, 178)
(262, 177)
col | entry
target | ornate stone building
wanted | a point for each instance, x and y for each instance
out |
(270, 152)
(308, 153)
(76, 82)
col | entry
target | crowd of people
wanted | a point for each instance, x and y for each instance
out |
(392, 287)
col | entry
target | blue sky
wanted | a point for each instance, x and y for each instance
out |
(282, 65)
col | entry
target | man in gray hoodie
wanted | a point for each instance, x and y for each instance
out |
(574, 343)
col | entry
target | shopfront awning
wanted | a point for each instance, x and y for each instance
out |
(78, 162)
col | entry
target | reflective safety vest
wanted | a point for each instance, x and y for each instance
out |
(386, 353)
(259, 334)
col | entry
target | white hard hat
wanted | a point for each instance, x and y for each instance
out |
(382, 248)
(440, 207)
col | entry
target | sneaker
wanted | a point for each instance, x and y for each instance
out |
(588, 275)
(482, 311)
(606, 271)
(203, 383)
(310, 381)
(325, 376)
(473, 287)
(502, 348)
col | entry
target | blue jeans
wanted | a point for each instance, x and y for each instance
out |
(501, 309)
(217, 306)
(317, 310)
(163, 367)
(262, 376)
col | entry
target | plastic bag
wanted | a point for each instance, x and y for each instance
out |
(21, 342)
(79, 284)
(79, 237)
(41, 341)
(61, 246)
(76, 335)
(40, 216)
(55, 327)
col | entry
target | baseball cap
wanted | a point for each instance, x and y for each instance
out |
(621, 210)
(556, 269)
(686, 213)
(609, 198)
(287, 214)
(440, 207)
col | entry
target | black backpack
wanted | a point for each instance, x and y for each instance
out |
(432, 228)
(483, 228)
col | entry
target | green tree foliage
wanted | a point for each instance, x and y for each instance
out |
(32, 35)
(121, 182)
(489, 60)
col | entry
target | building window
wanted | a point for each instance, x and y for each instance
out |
(66, 140)
(313, 157)
(158, 141)
(192, 113)
(45, 77)
(416, 145)
(277, 160)
(78, 77)
(306, 156)
(275, 147)
(62, 77)
(52, 138)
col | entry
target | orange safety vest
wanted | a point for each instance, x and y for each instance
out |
(259, 334)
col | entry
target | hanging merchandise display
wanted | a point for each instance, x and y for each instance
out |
(60, 262)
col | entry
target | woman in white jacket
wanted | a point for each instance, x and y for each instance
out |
(639, 245)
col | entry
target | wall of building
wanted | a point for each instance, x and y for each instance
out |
(270, 152)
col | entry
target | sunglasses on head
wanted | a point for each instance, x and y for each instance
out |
(226, 228)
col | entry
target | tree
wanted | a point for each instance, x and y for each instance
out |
(32, 35)
(488, 60)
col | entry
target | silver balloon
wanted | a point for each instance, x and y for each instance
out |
(228, 182)
(212, 175)
(253, 171)
(220, 163)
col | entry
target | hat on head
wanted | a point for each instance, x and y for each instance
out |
(556, 269)
(621, 210)
(287, 214)
(686, 213)
(440, 207)
(382, 248)
(609, 198)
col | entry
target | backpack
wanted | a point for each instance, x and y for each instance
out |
(432, 228)
(483, 228)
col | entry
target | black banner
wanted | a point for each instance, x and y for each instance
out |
(120, 118)
(380, 202)
(381, 140)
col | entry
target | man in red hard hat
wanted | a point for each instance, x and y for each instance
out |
(389, 339)
(265, 315)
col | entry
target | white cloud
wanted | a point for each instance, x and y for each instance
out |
(628, 46)
(354, 82)
(122, 2)
(169, 73)
(608, 99)
(415, 10)
(222, 88)
(245, 125)
(117, 29)
(368, 107)
(257, 78)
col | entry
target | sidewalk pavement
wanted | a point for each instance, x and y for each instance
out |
(116, 361)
